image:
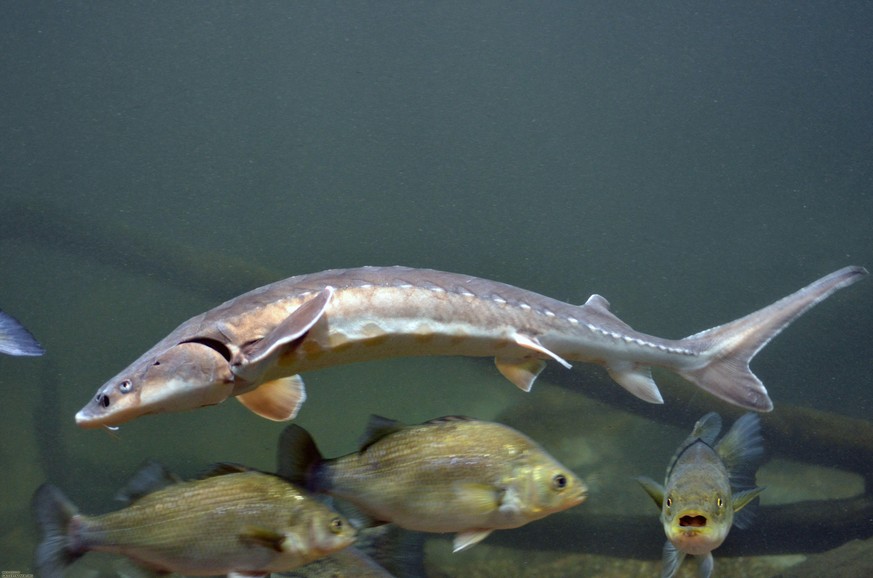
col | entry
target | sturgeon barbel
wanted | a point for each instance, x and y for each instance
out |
(254, 346)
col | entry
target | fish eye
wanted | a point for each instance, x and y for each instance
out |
(336, 525)
(719, 502)
(559, 482)
(125, 386)
(669, 502)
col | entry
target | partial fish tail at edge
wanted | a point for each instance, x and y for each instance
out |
(726, 350)
(54, 513)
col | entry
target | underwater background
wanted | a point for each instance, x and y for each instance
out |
(691, 162)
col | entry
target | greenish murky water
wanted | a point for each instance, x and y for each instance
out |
(690, 163)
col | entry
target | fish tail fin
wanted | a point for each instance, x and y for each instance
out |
(299, 459)
(726, 350)
(55, 516)
(742, 452)
(15, 339)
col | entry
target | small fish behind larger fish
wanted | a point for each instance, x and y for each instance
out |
(254, 346)
(240, 523)
(707, 489)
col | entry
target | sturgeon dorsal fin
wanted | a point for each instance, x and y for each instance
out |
(598, 302)
(150, 477)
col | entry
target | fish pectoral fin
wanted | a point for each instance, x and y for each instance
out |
(636, 379)
(521, 372)
(277, 400)
(654, 489)
(511, 504)
(704, 570)
(672, 558)
(468, 539)
(480, 499)
(744, 498)
(262, 538)
(534, 344)
(290, 329)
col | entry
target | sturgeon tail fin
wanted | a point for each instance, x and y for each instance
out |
(726, 350)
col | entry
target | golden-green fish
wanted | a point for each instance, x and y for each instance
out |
(451, 474)
(707, 486)
(244, 523)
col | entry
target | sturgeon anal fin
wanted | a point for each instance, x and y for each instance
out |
(291, 328)
(278, 400)
(468, 539)
(521, 372)
(533, 344)
(637, 379)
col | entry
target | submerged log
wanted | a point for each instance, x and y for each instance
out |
(799, 433)
(802, 527)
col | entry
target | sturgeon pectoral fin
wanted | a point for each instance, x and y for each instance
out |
(521, 372)
(292, 327)
(468, 539)
(533, 343)
(278, 400)
(637, 379)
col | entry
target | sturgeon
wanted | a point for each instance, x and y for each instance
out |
(255, 346)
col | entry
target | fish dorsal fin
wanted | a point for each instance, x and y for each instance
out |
(599, 303)
(449, 419)
(150, 477)
(378, 427)
(297, 454)
(290, 329)
(705, 430)
(277, 400)
(742, 451)
(600, 306)
(223, 469)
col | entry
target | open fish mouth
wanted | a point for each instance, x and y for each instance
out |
(692, 521)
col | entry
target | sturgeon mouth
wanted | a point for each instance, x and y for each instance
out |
(692, 522)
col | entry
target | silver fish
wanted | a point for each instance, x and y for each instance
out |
(15, 339)
(254, 346)
(706, 488)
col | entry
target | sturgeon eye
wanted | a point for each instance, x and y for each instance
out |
(559, 482)
(336, 525)
(125, 386)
